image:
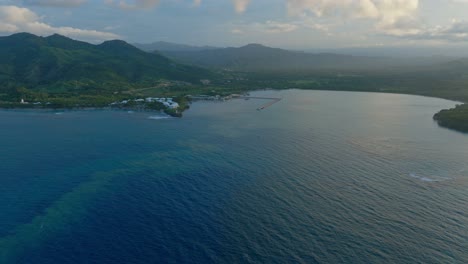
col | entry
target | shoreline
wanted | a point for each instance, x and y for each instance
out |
(438, 117)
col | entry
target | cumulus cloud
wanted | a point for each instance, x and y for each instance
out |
(18, 19)
(390, 15)
(317, 7)
(388, 9)
(55, 3)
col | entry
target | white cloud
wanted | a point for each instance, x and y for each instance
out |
(388, 14)
(18, 19)
(55, 3)
(241, 5)
(317, 7)
(324, 28)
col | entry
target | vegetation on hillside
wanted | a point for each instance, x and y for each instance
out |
(455, 118)
(60, 72)
(59, 67)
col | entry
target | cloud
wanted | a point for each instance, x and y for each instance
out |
(324, 28)
(241, 5)
(268, 27)
(317, 7)
(134, 4)
(18, 19)
(141, 4)
(457, 31)
(388, 14)
(55, 3)
(237, 31)
(276, 27)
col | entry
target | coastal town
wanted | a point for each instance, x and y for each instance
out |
(169, 105)
(166, 102)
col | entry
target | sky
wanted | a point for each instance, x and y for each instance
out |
(294, 24)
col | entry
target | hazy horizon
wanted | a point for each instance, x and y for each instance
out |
(289, 24)
(373, 51)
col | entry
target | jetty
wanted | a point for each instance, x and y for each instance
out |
(272, 100)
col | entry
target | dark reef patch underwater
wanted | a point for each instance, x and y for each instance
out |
(320, 177)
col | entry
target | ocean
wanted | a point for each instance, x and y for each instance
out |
(319, 177)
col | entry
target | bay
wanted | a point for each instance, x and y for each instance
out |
(319, 177)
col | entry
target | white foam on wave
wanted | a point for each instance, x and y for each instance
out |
(159, 117)
(427, 179)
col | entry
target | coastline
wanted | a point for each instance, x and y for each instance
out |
(140, 107)
(446, 118)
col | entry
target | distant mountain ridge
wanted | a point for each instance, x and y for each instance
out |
(257, 57)
(397, 51)
(169, 46)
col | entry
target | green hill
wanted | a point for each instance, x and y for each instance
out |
(57, 64)
(455, 118)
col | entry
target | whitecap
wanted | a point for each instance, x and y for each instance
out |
(159, 117)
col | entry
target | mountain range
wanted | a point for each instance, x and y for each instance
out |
(67, 73)
(60, 63)
(257, 57)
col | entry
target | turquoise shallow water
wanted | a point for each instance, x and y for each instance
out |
(320, 177)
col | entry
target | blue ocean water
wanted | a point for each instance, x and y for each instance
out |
(319, 177)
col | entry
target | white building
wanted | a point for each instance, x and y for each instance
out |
(172, 105)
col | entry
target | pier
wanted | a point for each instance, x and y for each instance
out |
(273, 101)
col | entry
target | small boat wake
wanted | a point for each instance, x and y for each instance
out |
(159, 117)
(428, 179)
